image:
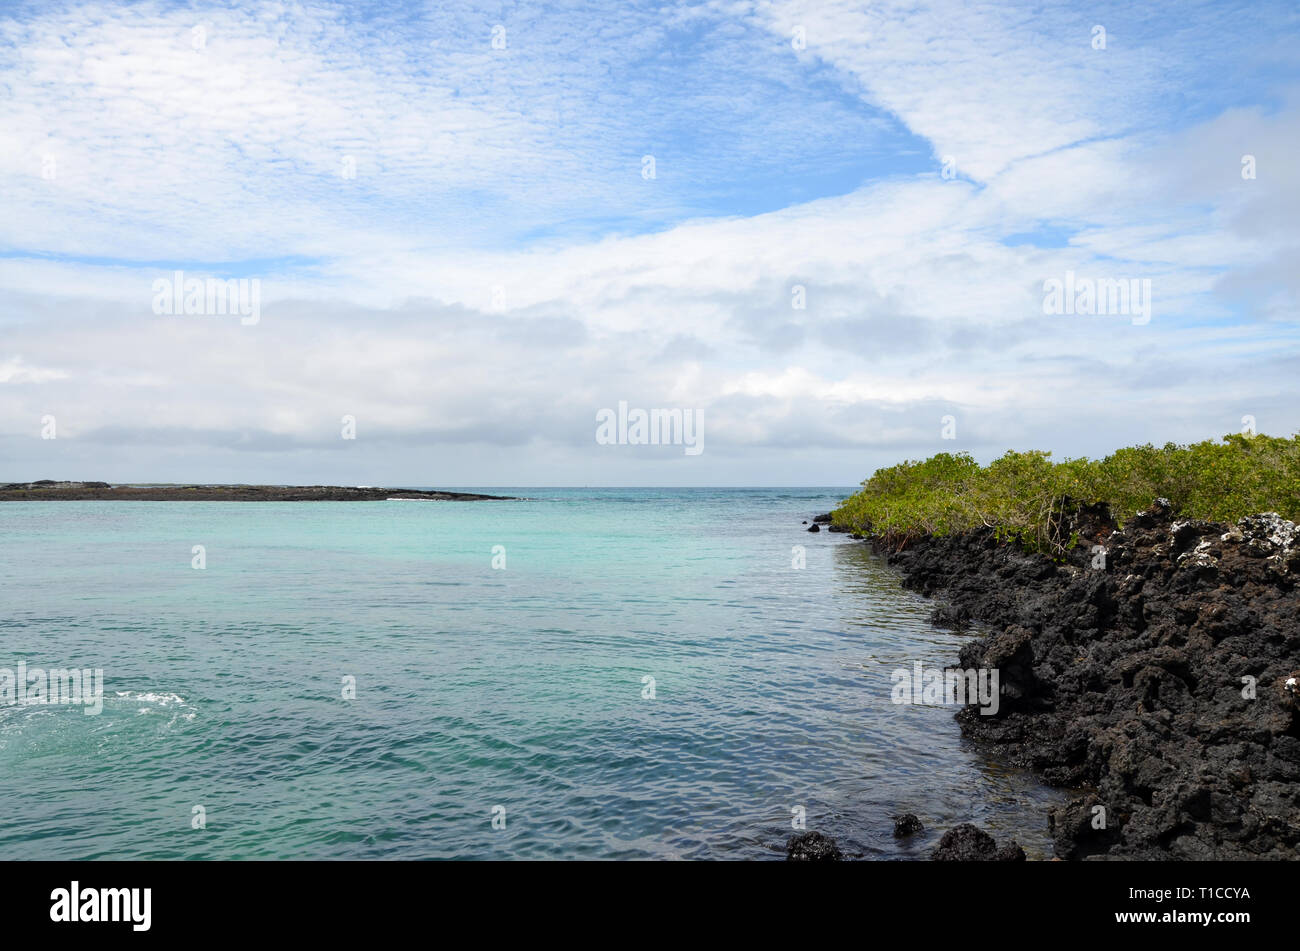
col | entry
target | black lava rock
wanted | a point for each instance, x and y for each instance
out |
(812, 847)
(1156, 676)
(968, 843)
(906, 824)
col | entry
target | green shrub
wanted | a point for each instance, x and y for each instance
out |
(1023, 496)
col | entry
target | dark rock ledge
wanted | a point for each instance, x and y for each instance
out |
(825, 519)
(1163, 678)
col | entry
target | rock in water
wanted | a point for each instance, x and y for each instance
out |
(1010, 853)
(812, 847)
(967, 843)
(814, 528)
(906, 824)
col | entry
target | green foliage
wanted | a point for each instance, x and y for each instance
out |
(1024, 495)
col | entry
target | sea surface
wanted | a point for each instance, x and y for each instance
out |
(514, 692)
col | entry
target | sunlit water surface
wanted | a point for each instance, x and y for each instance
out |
(476, 687)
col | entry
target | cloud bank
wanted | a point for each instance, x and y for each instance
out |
(852, 213)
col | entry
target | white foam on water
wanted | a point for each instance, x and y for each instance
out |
(161, 699)
(159, 702)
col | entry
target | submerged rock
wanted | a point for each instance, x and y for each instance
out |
(968, 843)
(907, 824)
(814, 527)
(812, 847)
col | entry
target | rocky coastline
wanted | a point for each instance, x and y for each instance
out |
(47, 490)
(1154, 667)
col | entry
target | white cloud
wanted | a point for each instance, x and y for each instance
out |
(16, 370)
(916, 307)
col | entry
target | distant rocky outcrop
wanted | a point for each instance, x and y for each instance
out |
(50, 490)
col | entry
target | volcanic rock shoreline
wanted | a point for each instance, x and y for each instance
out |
(49, 490)
(1154, 666)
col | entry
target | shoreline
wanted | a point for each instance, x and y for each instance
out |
(1154, 667)
(47, 490)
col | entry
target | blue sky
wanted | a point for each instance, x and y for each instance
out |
(456, 242)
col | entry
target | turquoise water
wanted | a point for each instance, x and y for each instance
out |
(476, 687)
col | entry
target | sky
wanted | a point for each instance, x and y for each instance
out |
(827, 230)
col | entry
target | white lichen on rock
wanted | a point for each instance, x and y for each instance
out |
(1274, 537)
(1199, 557)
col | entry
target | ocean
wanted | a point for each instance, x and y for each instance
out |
(583, 673)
